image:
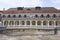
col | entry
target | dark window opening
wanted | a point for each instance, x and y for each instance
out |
(54, 16)
(37, 8)
(42, 16)
(25, 16)
(23, 23)
(48, 16)
(3, 16)
(36, 16)
(20, 8)
(14, 16)
(9, 16)
(28, 22)
(19, 15)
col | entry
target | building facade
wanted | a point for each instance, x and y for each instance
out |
(30, 20)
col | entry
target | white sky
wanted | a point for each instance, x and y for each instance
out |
(29, 3)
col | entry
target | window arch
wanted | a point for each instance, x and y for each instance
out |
(19, 16)
(11, 23)
(16, 22)
(51, 23)
(44, 22)
(25, 16)
(42, 16)
(14, 16)
(9, 16)
(3, 16)
(5, 22)
(48, 16)
(57, 23)
(33, 23)
(28, 22)
(38, 22)
(54, 16)
(36, 15)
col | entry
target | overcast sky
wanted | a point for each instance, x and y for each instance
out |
(29, 3)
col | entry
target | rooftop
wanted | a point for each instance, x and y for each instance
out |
(31, 10)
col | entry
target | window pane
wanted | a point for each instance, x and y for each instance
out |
(6, 23)
(33, 22)
(51, 22)
(16, 22)
(48, 16)
(11, 23)
(44, 22)
(56, 23)
(23, 23)
(36, 15)
(9, 16)
(28, 22)
(38, 22)
(59, 22)
(54, 16)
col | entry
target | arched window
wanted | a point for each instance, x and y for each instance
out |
(16, 22)
(38, 22)
(11, 23)
(57, 23)
(9, 16)
(44, 22)
(36, 15)
(28, 22)
(51, 23)
(33, 23)
(25, 16)
(14, 16)
(48, 16)
(54, 16)
(5, 22)
(22, 22)
(3, 16)
(42, 16)
(20, 16)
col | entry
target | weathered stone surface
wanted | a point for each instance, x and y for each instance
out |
(39, 37)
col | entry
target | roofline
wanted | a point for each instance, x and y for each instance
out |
(29, 11)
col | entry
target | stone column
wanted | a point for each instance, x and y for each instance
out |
(48, 23)
(8, 22)
(42, 23)
(14, 23)
(3, 23)
(25, 23)
(36, 23)
(19, 23)
(30, 23)
(54, 24)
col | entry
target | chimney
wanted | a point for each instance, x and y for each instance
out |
(37, 8)
(19, 8)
